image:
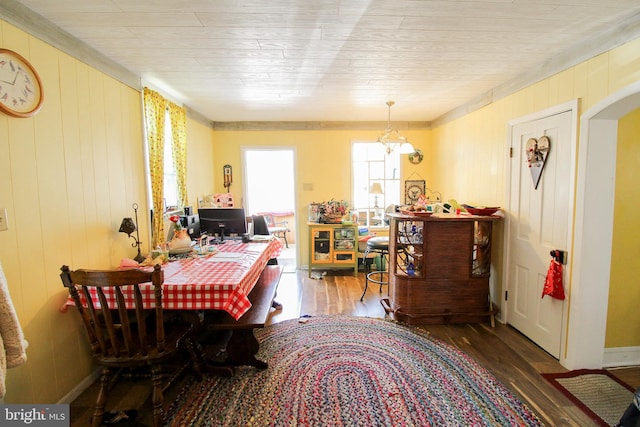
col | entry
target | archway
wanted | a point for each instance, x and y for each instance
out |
(594, 227)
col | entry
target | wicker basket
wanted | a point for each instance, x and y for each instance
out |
(331, 219)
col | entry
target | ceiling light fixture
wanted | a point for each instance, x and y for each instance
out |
(391, 138)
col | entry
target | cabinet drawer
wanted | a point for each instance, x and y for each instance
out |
(344, 257)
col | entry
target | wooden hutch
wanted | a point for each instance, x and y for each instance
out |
(439, 268)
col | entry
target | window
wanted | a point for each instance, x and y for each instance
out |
(170, 190)
(376, 181)
(165, 120)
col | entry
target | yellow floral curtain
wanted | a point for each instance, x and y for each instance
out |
(155, 108)
(179, 135)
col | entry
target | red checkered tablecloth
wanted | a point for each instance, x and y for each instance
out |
(217, 282)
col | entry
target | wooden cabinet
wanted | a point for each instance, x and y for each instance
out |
(333, 246)
(439, 268)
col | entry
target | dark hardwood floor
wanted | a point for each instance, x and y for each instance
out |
(511, 357)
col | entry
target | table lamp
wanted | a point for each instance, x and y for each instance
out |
(376, 189)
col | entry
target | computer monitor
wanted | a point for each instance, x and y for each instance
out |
(225, 222)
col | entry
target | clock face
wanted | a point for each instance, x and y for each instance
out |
(414, 193)
(20, 87)
(413, 189)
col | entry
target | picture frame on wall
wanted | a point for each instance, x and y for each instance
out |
(413, 189)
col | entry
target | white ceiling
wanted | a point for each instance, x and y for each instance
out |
(337, 60)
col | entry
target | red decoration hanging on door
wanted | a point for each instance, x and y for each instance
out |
(553, 285)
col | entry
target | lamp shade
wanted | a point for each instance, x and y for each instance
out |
(406, 148)
(391, 138)
(376, 188)
(127, 226)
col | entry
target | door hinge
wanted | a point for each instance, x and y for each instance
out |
(510, 152)
(506, 295)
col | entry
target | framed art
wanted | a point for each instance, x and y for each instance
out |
(413, 189)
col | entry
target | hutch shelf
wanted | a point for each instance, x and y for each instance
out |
(333, 246)
(439, 268)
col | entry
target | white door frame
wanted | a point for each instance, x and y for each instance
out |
(589, 294)
(295, 179)
(572, 107)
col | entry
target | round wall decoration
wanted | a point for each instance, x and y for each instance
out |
(21, 92)
(416, 157)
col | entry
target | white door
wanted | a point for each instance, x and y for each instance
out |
(538, 224)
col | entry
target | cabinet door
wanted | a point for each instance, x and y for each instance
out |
(341, 257)
(321, 246)
(409, 248)
(344, 245)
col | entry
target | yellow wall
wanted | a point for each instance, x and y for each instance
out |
(201, 175)
(67, 178)
(467, 159)
(323, 159)
(623, 316)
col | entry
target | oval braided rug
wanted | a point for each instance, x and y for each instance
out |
(351, 371)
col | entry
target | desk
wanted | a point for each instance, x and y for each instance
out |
(216, 282)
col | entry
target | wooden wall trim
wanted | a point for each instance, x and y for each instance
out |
(316, 126)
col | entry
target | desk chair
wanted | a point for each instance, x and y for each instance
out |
(122, 337)
(379, 246)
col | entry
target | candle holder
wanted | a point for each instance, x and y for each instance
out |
(128, 226)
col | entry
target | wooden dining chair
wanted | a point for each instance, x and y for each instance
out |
(129, 336)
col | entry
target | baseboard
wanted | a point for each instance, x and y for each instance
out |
(80, 388)
(621, 356)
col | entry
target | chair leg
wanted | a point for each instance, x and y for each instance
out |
(157, 399)
(101, 400)
(284, 236)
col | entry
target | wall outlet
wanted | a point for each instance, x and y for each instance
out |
(4, 224)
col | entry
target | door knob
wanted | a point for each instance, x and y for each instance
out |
(559, 255)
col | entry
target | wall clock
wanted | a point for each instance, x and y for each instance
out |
(416, 157)
(21, 92)
(413, 189)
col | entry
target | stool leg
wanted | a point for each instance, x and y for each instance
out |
(366, 273)
(366, 277)
(365, 287)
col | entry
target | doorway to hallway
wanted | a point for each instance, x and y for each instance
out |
(269, 176)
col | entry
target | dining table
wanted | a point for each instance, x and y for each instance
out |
(219, 277)
(205, 281)
(220, 280)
